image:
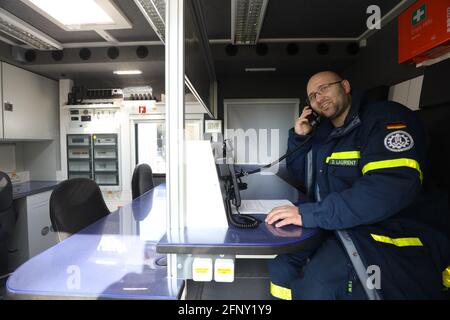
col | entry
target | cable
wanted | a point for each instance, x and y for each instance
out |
(244, 173)
(249, 221)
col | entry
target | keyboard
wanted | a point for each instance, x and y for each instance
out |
(260, 206)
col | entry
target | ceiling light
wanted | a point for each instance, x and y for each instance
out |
(260, 69)
(246, 20)
(75, 15)
(22, 31)
(127, 72)
(74, 12)
(155, 13)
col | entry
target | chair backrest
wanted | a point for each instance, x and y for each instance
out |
(435, 122)
(5, 192)
(7, 215)
(7, 219)
(74, 205)
(142, 180)
(437, 130)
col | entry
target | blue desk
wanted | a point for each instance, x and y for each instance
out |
(113, 258)
(262, 240)
(25, 189)
(116, 256)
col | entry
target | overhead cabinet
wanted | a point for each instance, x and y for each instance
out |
(30, 105)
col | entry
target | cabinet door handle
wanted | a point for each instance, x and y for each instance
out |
(45, 231)
(8, 106)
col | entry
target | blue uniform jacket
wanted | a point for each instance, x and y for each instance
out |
(366, 178)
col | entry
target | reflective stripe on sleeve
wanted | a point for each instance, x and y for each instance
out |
(280, 292)
(399, 242)
(344, 155)
(446, 277)
(394, 163)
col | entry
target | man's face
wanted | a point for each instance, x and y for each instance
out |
(328, 95)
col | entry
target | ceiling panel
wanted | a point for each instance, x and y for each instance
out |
(24, 12)
(100, 75)
(217, 15)
(305, 61)
(141, 31)
(299, 18)
(319, 18)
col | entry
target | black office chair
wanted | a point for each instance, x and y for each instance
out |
(7, 219)
(74, 205)
(142, 180)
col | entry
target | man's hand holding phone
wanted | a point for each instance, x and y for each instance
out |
(302, 125)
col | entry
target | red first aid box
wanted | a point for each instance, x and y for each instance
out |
(424, 31)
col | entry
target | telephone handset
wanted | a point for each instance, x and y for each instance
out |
(313, 118)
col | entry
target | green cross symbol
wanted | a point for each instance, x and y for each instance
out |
(419, 14)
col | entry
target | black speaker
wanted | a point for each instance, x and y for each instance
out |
(30, 55)
(57, 55)
(142, 52)
(292, 49)
(113, 53)
(231, 50)
(262, 49)
(323, 48)
(85, 54)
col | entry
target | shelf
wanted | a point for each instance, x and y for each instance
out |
(80, 172)
(106, 172)
(105, 145)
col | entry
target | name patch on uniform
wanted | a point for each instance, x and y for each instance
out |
(395, 125)
(343, 162)
(398, 141)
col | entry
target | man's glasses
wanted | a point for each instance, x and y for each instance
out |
(321, 90)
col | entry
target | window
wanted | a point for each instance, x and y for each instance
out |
(151, 145)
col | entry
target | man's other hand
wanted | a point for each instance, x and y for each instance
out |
(284, 215)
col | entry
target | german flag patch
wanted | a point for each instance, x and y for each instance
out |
(395, 126)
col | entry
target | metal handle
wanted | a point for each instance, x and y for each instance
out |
(8, 106)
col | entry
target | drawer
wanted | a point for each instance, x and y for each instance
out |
(39, 198)
(78, 141)
(40, 233)
(75, 166)
(105, 154)
(79, 175)
(105, 140)
(106, 179)
(78, 153)
(105, 166)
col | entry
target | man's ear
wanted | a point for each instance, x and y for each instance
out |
(346, 86)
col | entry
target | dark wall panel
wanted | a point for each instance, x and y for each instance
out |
(436, 87)
(377, 64)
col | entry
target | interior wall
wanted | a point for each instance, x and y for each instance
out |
(41, 159)
(260, 86)
(378, 62)
(376, 65)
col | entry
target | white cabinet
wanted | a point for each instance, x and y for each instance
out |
(33, 232)
(407, 92)
(30, 105)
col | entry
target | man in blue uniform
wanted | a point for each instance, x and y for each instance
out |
(364, 170)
